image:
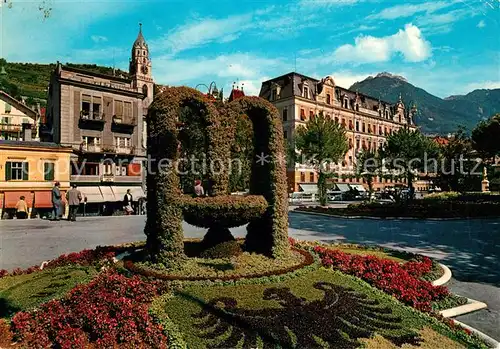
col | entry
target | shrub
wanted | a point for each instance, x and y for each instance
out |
(226, 211)
(224, 250)
(110, 310)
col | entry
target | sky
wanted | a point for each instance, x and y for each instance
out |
(446, 47)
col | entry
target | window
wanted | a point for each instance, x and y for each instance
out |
(48, 171)
(87, 169)
(311, 115)
(305, 92)
(357, 126)
(274, 95)
(350, 143)
(386, 131)
(380, 113)
(343, 122)
(302, 114)
(127, 110)
(119, 109)
(86, 103)
(400, 119)
(357, 144)
(351, 126)
(357, 107)
(122, 142)
(311, 177)
(107, 168)
(369, 128)
(350, 160)
(26, 121)
(328, 99)
(302, 177)
(96, 108)
(145, 90)
(387, 114)
(121, 170)
(364, 127)
(91, 140)
(380, 130)
(8, 108)
(336, 119)
(346, 103)
(285, 114)
(16, 171)
(285, 134)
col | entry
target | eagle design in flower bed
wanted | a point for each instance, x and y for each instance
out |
(340, 318)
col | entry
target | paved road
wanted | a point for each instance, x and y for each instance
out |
(470, 247)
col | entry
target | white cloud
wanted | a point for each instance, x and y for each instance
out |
(408, 10)
(224, 69)
(98, 38)
(324, 3)
(201, 32)
(347, 78)
(483, 85)
(369, 49)
(481, 24)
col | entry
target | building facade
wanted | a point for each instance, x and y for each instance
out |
(367, 120)
(29, 169)
(103, 118)
(13, 114)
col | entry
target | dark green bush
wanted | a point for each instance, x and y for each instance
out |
(223, 211)
(226, 249)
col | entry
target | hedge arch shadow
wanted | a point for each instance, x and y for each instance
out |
(267, 234)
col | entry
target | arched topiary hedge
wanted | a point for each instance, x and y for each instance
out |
(267, 234)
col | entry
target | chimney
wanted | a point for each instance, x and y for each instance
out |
(27, 132)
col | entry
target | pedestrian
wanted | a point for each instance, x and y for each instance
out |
(56, 202)
(73, 197)
(21, 209)
(127, 203)
(198, 189)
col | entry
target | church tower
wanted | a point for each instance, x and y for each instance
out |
(140, 69)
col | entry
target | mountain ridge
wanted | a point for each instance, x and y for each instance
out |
(435, 114)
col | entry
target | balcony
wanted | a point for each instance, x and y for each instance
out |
(123, 124)
(85, 178)
(11, 128)
(94, 120)
(128, 179)
(90, 148)
(124, 150)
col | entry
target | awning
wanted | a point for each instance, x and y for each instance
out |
(43, 199)
(108, 195)
(92, 194)
(120, 192)
(309, 188)
(358, 187)
(343, 187)
(12, 197)
(137, 193)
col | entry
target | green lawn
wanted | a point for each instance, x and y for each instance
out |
(24, 292)
(320, 309)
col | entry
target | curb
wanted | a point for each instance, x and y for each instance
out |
(391, 218)
(471, 306)
(443, 279)
(494, 344)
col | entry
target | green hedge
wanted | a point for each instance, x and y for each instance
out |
(226, 211)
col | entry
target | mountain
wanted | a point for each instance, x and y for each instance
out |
(30, 80)
(435, 115)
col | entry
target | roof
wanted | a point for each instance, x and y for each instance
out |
(441, 140)
(33, 144)
(140, 41)
(19, 105)
(88, 72)
(235, 94)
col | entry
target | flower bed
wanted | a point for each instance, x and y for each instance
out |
(111, 310)
(401, 281)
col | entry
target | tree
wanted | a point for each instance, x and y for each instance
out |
(367, 167)
(485, 137)
(457, 161)
(408, 152)
(321, 141)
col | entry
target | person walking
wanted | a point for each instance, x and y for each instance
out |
(56, 202)
(198, 189)
(21, 209)
(127, 203)
(73, 197)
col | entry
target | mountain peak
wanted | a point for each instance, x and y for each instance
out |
(392, 76)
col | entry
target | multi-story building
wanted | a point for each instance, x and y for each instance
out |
(13, 114)
(367, 120)
(29, 168)
(103, 118)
